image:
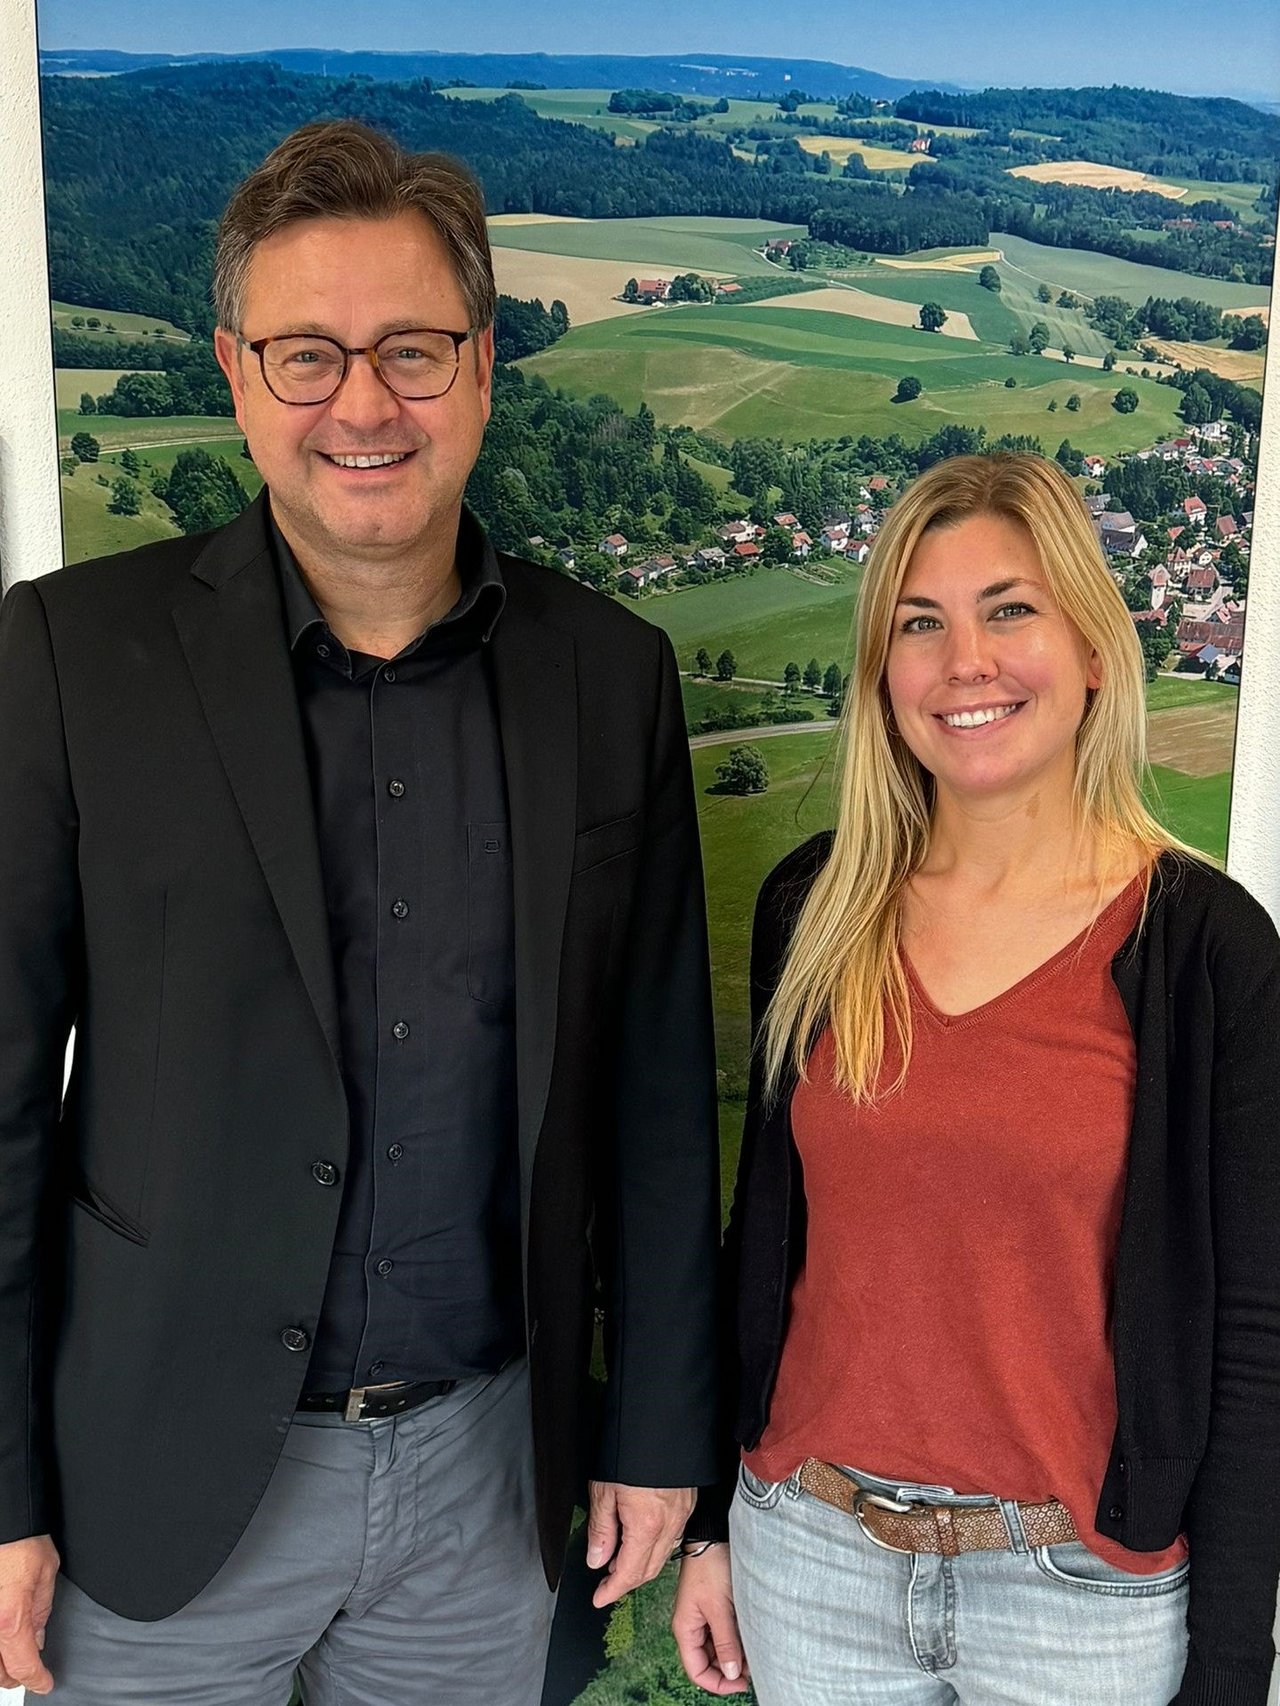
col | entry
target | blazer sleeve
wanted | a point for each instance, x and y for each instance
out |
(1233, 1515)
(661, 1352)
(40, 957)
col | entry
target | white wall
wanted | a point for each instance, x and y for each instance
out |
(30, 520)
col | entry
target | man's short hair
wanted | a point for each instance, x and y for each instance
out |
(345, 170)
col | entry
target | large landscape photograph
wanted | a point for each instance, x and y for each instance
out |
(745, 298)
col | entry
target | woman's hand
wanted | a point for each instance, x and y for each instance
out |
(704, 1624)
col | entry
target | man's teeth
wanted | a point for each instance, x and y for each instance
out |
(974, 719)
(369, 461)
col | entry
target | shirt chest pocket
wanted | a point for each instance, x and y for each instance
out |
(490, 914)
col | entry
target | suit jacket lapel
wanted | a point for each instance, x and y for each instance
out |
(232, 630)
(536, 678)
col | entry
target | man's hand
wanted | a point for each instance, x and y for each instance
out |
(27, 1572)
(705, 1627)
(632, 1531)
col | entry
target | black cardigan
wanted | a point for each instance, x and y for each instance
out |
(1196, 1305)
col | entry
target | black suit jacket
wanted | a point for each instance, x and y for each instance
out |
(163, 1243)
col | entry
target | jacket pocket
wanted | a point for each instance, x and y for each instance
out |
(606, 841)
(97, 1207)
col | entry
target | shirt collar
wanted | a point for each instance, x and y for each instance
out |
(479, 605)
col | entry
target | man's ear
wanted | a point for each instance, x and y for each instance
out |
(229, 351)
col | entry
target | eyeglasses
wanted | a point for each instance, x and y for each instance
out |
(303, 368)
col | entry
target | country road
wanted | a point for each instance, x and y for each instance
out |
(721, 737)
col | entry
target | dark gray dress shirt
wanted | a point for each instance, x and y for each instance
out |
(406, 769)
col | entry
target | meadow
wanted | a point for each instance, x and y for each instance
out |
(125, 325)
(719, 246)
(1091, 274)
(795, 374)
(70, 384)
(767, 620)
(115, 432)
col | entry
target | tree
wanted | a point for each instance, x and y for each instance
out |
(909, 388)
(87, 404)
(1125, 400)
(124, 498)
(1068, 457)
(1108, 361)
(1052, 405)
(203, 492)
(1038, 337)
(831, 681)
(791, 678)
(631, 291)
(1010, 383)
(743, 772)
(130, 464)
(933, 316)
(1068, 354)
(1044, 293)
(1197, 405)
(813, 675)
(1019, 344)
(702, 662)
(989, 279)
(85, 447)
(1073, 402)
(93, 322)
(77, 320)
(726, 667)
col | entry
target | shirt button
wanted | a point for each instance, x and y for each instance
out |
(375, 1369)
(388, 675)
(395, 787)
(294, 1339)
(324, 1172)
(399, 908)
(322, 651)
(384, 1267)
(395, 1152)
(399, 1030)
(1116, 1512)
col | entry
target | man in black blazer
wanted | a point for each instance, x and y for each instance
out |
(363, 863)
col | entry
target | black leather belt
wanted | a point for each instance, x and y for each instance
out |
(372, 1403)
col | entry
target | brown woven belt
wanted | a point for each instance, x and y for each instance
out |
(945, 1529)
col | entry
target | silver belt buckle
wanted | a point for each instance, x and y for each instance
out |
(354, 1411)
(861, 1498)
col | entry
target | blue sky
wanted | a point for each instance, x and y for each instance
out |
(1162, 44)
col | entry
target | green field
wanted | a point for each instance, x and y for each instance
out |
(1171, 693)
(576, 106)
(114, 432)
(957, 292)
(767, 620)
(159, 459)
(1091, 274)
(797, 374)
(70, 383)
(1066, 325)
(705, 245)
(1238, 197)
(126, 325)
(88, 527)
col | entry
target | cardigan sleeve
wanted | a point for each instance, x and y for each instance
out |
(1233, 1515)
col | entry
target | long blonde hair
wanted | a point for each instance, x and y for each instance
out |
(843, 966)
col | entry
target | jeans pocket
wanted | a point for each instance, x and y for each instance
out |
(1074, 1565)
(760, 1495)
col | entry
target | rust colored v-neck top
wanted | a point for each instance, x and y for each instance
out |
(951, 1324)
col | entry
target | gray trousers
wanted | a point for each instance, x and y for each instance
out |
(390, 1563)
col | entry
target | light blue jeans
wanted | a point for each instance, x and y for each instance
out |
(828, 1618)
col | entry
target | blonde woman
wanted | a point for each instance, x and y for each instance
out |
(1006, 1240)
